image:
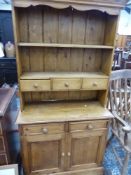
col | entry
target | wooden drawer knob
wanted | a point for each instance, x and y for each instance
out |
(35, 85)
(68, 154)
(90, 126)
(94, 84)
(45, 130)
(66, 84)
(62, 154)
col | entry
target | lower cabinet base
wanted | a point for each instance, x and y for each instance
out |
(92, 171)
(66, 148)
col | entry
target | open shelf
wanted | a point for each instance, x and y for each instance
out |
(64, 45)
(63, 111)
(48, 75)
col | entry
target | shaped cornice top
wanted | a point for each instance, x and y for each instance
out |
(109, 6)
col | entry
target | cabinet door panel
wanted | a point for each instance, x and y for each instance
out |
(86, 149)
(43, 153)
(39, 161)
(81, 154)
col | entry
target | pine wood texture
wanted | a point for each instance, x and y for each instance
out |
(111, 7)
(63, 143)
(64, 45)
(64, 53)
(74, 51)
(66, 111)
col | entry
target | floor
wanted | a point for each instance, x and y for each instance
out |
(110, 163)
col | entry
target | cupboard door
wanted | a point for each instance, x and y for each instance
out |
(43, 153)
(86, 149)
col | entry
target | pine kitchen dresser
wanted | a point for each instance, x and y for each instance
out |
(64, 54)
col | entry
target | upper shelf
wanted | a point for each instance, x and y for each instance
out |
(64, 45)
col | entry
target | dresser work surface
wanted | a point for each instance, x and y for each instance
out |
(64, 111)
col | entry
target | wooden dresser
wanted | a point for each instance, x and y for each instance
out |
(8, 115)
(64, 57)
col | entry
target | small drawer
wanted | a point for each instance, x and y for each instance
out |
(43, 129)
(95, 84)
(2, 146)
(0, 129)
(66, 84)
(87, 125)
(3, 159)
(35, 85)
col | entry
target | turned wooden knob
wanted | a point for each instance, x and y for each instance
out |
(62, 154)
(94, 84)
(68, 154)
(66, 84)
(35, 85)
(90, 126)
(45, 130)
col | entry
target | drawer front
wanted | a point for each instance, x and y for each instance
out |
(43, 129)
(3, 159)
(66, 84)
(0, 129)
(35, 85)
(87, 125)
(94, 84)
(2, 146)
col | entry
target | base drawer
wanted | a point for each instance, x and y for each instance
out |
(88, 125)
(51, 128)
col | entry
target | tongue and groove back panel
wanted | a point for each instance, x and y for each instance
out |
(64, 26)
(80, 29)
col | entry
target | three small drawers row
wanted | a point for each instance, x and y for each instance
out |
(56, 128)
(64, 84)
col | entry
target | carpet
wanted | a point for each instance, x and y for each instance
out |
(110, 162)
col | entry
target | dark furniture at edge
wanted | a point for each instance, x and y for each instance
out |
(8, 114)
